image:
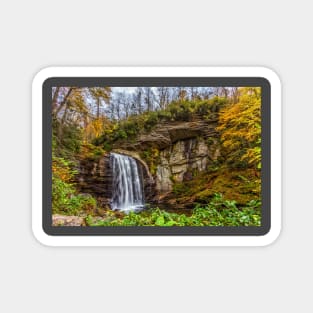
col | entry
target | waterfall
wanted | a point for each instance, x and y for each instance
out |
(127, 188)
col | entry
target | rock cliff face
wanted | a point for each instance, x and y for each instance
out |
(95, 178)
(166, 134)
(184, 159)
(184, 149)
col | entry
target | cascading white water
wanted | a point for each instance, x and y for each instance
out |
(127, 193)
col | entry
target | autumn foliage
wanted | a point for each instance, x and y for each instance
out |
(240, 127)
(90, 122)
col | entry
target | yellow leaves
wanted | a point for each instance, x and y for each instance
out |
(97, 127)
(61, 169)
(228, 115)
(101, 93)
(77, 101)
(240, 125)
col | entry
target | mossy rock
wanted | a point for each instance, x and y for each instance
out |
(239, 185)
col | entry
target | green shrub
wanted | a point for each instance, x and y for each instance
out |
(218, 212)
(67, 139)
(164, 115)
(152, 157)
(107, 146)
(151, 120)
(65, 199)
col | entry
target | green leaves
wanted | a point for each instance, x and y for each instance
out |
(218, 212)
(160, 221)
(65, 199)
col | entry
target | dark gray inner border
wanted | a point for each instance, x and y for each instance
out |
(157, 82)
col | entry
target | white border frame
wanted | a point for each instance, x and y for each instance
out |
(235, 240)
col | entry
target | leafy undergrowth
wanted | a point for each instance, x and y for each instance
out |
(65, 199)
(218, 212)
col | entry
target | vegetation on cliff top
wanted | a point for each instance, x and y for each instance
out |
(177, 111)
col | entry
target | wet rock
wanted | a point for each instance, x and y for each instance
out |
(95, 177)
